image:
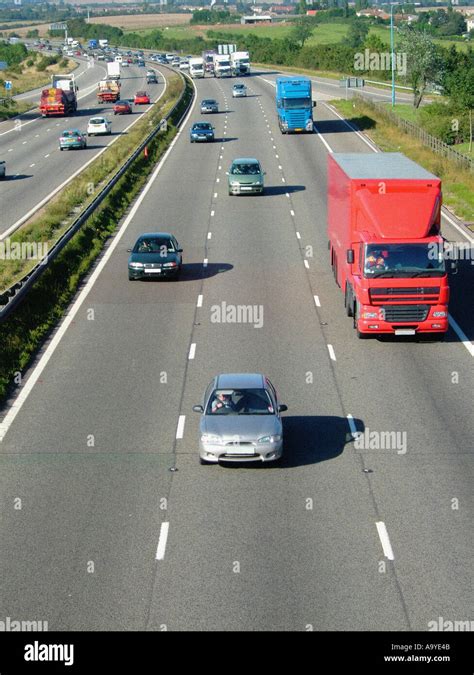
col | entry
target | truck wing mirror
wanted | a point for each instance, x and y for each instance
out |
(314, 104)
(350, 256)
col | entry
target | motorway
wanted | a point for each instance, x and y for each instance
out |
(99, 534)
(30, 145)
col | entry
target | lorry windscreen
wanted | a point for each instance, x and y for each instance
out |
(296, 103)
(403, 260)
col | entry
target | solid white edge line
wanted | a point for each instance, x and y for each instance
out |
(46, 199)
(332, 353)
(352, 426)
(69, 317)
(352, 127)
(461, 335)
(199, 300)
(180, 427)
(161, 548)
(385, 541)
(192, 351)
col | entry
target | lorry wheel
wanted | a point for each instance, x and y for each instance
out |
(348, 302)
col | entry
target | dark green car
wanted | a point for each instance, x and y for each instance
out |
(245, 176)
(155, 255)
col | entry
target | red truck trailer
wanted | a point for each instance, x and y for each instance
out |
(60, 98)
(386, 252)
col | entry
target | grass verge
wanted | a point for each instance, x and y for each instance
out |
(24, 331)
(458, 183)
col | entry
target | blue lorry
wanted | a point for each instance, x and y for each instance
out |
(294, 104)
(92, 44)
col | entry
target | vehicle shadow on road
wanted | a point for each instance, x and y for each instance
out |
(196, 271)
(341, 126)
(226, 139)
(308, 440)
(273, 190)
(20, 176)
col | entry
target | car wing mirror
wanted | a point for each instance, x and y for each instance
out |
(129, 250)
(226, 173)
(198, 408)
(180, 250)
(282, 408)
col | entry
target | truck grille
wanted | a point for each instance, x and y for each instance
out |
(410, 313)
(296, 120)
(428, 293)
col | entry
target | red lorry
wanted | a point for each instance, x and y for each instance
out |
(386, 251)
(60, 98)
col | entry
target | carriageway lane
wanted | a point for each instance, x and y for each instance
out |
(36, 167)
(420, 389)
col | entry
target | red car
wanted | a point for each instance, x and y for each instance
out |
(122, 108)
(141, 98)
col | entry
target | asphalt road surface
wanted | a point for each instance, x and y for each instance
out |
(98, 533)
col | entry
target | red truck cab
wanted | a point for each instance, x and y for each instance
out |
(386, 251)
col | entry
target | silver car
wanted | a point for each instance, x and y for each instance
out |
(209, 105)
(239, 90)
(240, 420)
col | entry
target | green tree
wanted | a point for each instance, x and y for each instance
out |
(302, 30)
(424, 64)
(357, 33)
(461, 85)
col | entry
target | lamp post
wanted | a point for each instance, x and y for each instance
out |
(392, 49)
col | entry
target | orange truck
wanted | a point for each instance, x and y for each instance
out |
(60, 98)
(108, 91)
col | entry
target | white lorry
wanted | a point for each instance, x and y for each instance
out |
(222, 67)
(113, 70)
(240, 63)
(196, 67)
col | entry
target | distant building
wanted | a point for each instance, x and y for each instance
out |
(470, 24)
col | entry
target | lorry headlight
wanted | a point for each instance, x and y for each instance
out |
(285, 125)
(440, 315)
(309, 125)
(370, 315)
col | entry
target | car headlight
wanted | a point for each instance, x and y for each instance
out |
(234, 182)
(170, 264)
(440, 315)
(136, 264)
(270, 439)
(211, 438)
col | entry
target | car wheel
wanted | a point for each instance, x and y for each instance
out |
(131, 278)
(61, 149)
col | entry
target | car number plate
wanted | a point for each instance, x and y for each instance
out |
(153, 271)
(405, 331)
(240, 450)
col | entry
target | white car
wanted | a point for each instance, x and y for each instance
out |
(125, 64)
(99, 125)
(184, 65)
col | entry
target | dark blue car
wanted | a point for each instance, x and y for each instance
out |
(201, 131)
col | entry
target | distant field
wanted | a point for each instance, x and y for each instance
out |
(324, 33)
(133, 22)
